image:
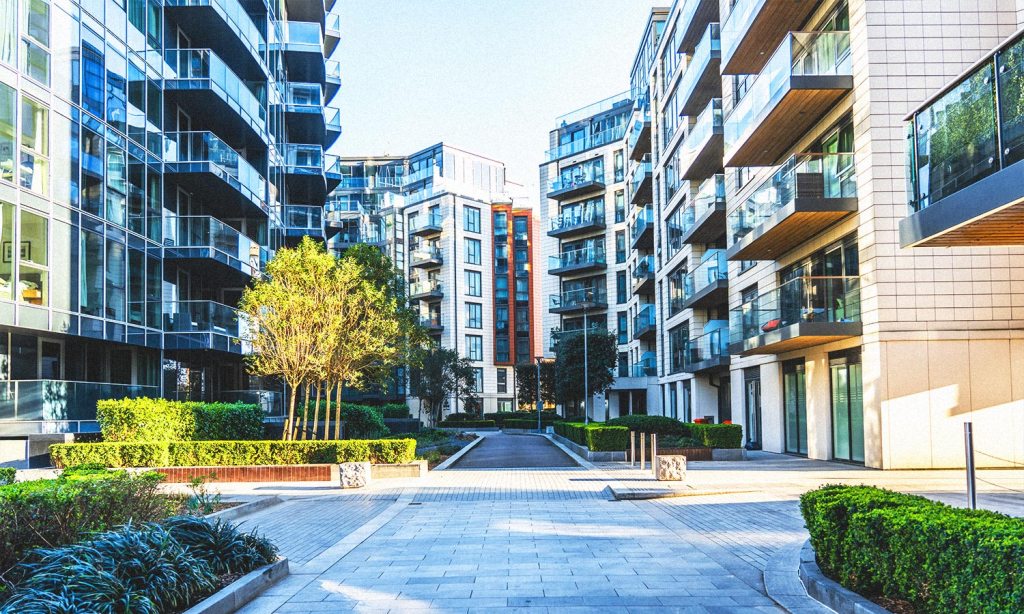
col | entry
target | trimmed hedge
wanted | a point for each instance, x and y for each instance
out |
(361, 421)
(661, 425)
(546, 417)
(722, 436)
(597, 437)
(233, 453)
(523, 424)
(710, 435)
(940, 559)
(395, 411)
(468, 424)
(7, 475)
(145, 419)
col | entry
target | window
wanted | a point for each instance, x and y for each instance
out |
(35, 59)
(474, 315)
(620, 246)
(500, 224)
(6, 237)
(9, 34)
(502, 381)
(623, 328)
(522, 319)
(500, 289)
(8, 109)
(623, 364)
(32, 259)
(478, 379)
(620, 206)
(678, 342)
(471, 219)
(519, 229)
(475, 347)
(621, 290)
(116, 270)
(620, 166)
(522, 290)
(91, 273)
(472, 251)
(501, 352)
(473, 283)
(522, 350)
(504, 404)
(35, 140)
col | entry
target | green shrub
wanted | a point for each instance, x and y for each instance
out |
(718, 435)
(145, 419)
(219, 421)
(395, 411)
(468, 424)
(361, 421)
(660, 425)
(597, 437)
(461, 417)
(57, 512)
(521, 424)
(7, 475)
(110, 454)
(674, 441)
(940, 559)
(546, 417)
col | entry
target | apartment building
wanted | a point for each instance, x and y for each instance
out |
(153, 156)
(467, 245)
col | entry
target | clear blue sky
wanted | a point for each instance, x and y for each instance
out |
(488, 75)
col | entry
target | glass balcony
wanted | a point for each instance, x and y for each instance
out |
(429, 224)
(702, 147)
(301, 46)
(638, 143)
(574, 220)
(302, 37)
(618, 101)
(203, 238)
(213, 94)
(579, 300)
(964, 147)
(332, 33)
(710, 351)
(577, 180)
(701, 82)
(59, 406)
(590, 141)
(425, 290)
(694, 17)
(704, 216)
(225, 26)
(804, 79)
(580, 260)
(644, 322)
(754, 27)
(708, 284)
(647, 366)
(640, 184)
(306, 10)
(332, 78)
(432, 323)
(426, 257)
(643, 275)
(807, 194)
(304, 172)
(193, 157)
(304, 220)
(642, 229)
(204, 325)
(800, 313)
(332, 123)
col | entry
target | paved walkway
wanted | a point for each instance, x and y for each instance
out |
(514, 451)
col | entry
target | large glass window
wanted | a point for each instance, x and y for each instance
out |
(136, 287)
(35, 146)
(478, 379)
(472, 251)
(7, 241)
(620, 206)
(847, 406)
(471, 219)
(474, 315)
(474, 347)
(33, 259)
(794, 398)
(91, 274)
(9, 32)
(474, 283)
(8, 110)
(502, 380)
(36, 42)
(116, 279)
(621, 290)
(620, 246)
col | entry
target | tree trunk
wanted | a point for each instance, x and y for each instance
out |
(305, 412)
(337, 411)
(316, 409)
(291, 415)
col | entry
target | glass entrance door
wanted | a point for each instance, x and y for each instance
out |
(847, 407)
(794, 395)
(752, 407)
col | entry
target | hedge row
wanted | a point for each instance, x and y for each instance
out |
(940, 559)
(467, 424)
(546, 417)
(7, 475)
(146, 419)
(661, 425)
(717, 435)
(232, 453)
(395, 411)
(710, 435)
(596, 437)
(523, 424)
(361, 421)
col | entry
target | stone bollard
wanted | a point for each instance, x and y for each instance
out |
(354, 475)
(671, 467)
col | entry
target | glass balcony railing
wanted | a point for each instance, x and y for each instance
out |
(431, 321)
(432, 286)
(579, 298)
(621, 100)
(304, 217)
(304, 159)
(709, 346)
(595, 139)
(644, 267)
(576, 216)
(62, 401)
(184, 234)
(426, 253)
(302, 36)
(584, 256)
(644, 320)
(708, 48)
(637, 129)
(578, 176)
(303, 95)
(707, 124)
(644, 221)
(641, 173)
(428, 172)
(710, 194)
(647, 366)
(202, 317)
(333, 24)
(191, 65)
(803, 175)
(426, 222)
(799, 300)
(333, 70)
(713, 268)
(801, 54)
(736, 23)
(237, 18)
(206, 148)
(332, 119)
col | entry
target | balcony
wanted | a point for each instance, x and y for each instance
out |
(710, 351)
(694, 16)
(805, 196)
(642, 229)
(204, 325)
(557, 334)
(645, 324)
(754, 27)
(701, 82)
(221, 251)
(303, 221)
(705, 215)
(578, 300)
(332, 78)
(578, 220)
(432, 324)
(426, 291)
(647, 366)
(214, 96)
(58, 406)
(426, 258)
(638, 144)
(203, 164)
(590, 141)
(641, 183)
(306, 117)
(708, 284)
(426, 225)
(801, 313)
(643, 276)
(332, 32)
(803, 80)
(332, 125)
(702, 147)
(306, 10)
(302, 47)
(225, 27)
(304, 172)
(577, 180)
(582, 260)
(965, 159)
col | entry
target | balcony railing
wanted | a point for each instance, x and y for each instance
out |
(432, 222)
(638, 143)
(822, 184)
(431, 322)
(701, 81)
(33, 406)
(302, 37)
(204, 325)
(702, 147)
(644, 322)
(577, 179)
(190, 65)
(425, 255)
(801, 312)
(422, 288)
(304, 159)
(304, 217)
(708, 351)
(643, 223)
(644, 267)
(303, 95)
(589, 215)
(591, 140)
(810, 56)
(601, 106)
(647, 366)
(203, 236)
(236, 17)
(584, 257)
(579, 299)
(190, 148)
(703, 284)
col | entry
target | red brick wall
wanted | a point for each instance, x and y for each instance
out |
(262, 473)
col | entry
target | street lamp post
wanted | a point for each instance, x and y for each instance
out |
(540, 403)
(586, 367)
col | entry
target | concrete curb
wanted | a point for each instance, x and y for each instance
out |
(241, 591)
(829, 592)
(454, 457)
(232, 513)
(782, 581)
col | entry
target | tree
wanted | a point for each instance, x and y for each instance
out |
(526, 383)
(443, 373)
(602, 355)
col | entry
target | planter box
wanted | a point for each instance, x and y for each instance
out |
(243, 590)
(594, 457)
(415, 469)
(691, 454)
(252, 473)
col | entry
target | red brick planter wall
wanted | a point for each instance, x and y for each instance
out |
(250, 473)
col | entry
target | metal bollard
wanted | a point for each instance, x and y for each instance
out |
(654, 452)
(972, 493)
(632, 448)
(643, 450)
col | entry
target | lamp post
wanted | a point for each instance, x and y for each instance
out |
(540, 403)
(586, 359)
